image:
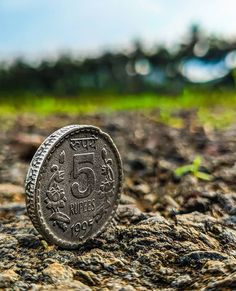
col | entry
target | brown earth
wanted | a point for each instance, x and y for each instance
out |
(170, 233)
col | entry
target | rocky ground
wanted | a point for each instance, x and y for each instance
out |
(170, 233)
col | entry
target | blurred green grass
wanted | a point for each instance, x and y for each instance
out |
(215, 108)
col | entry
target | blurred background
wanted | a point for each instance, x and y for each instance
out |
(74, 55)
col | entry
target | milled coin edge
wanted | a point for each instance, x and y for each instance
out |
(33, 179)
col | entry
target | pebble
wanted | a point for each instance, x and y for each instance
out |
(8, 277)
(58, 273)
(28, 240)
(7, 241)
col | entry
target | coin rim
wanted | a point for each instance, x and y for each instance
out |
(34, 175)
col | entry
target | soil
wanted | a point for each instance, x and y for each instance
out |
(170, 233)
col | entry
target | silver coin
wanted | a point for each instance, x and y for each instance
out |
(73, 185)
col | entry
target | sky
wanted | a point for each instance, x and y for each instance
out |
(46, 28)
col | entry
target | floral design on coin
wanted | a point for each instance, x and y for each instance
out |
(106, 187)
(73, 185)
(56, 197)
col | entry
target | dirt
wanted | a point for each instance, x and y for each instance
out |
(170, 233)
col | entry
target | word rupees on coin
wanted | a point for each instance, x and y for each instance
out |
(73, 185)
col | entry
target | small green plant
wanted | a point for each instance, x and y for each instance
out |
(193, 169)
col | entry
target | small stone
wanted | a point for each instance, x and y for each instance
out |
(28, 240)
(130, 214)
(11, 193)
(151, 198)
(11, 189)
(7, 241)
(181, 281)
(142, 188)
(18, 208)
(137, 165)
(126, 199)
(120, 287)
(201, 257)
(8, 277)
(214, 267)
(58, 273)
(87, 277)
(26, 144)
(67, 286)
(225, 283)
(170, 201)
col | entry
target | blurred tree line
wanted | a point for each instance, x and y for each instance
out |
(161, 70)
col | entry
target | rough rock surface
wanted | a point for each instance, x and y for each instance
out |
(169, 233)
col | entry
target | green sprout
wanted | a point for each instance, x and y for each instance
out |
(193, 169)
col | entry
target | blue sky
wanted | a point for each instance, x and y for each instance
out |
(39, 28)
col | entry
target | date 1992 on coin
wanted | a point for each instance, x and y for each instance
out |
(73, 185)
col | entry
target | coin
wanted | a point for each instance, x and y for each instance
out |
(73, 185)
